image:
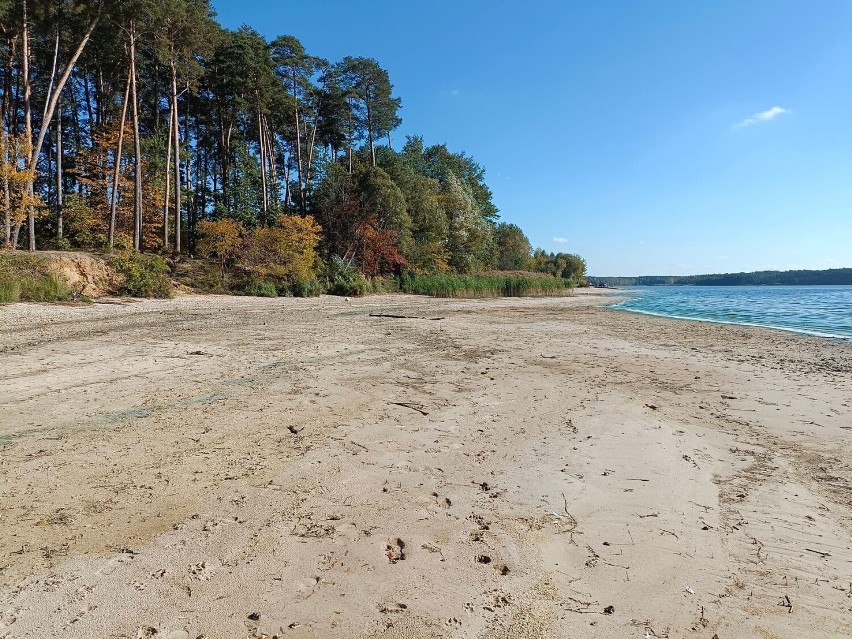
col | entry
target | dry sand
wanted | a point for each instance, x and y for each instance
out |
(233, 467)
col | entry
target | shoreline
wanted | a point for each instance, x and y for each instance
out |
(184, 464)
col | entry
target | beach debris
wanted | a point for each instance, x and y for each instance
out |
(785, 601)
(482, 559)
(392, 316)
(145, 632)
(728, 397)
(253, 616)
(391, 608)
(475, 535)
(412, 406)
(394, 549)
(689, 590)
(609, 610)
(295, 429)
(502, 569)
(819, 552)
(651, 406)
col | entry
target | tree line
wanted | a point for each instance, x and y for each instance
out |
(145, 125)
(834, 276)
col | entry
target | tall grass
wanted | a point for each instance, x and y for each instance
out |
(10, 289)
(25, 278)
(509, 284)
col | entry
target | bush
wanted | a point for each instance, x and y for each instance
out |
(144, 275)
(256, 288)
(309, 288)
(342, 279)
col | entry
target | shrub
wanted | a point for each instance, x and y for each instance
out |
(308, 288)
(285, 253)
(258, 288)
(342, 279)
(144, 275)
(221, 240)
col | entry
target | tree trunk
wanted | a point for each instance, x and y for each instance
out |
(113, 201)
(60, 197)
(370, 129)
(7, 123)
(52, 100)
(261, 140)
(28, 122)
(137, 146)
(298, 143)
(176, 150)
(167, 194)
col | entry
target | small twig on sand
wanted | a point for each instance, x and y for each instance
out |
(819, 552)
(786, 603)
(434, 319)
(417, 407)
(669, 532)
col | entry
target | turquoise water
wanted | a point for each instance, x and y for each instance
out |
(825, 311)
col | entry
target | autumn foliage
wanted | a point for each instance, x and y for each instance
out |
(286, 252)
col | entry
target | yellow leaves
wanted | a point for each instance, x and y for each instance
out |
(14, 166)
(286, 252)
(220, 239)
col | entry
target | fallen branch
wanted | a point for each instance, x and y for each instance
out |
(819, 552)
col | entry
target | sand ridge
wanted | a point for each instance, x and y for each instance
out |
(234, 467)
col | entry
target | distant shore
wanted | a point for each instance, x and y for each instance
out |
(400, 466)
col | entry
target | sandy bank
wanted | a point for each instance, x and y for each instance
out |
(239, 467)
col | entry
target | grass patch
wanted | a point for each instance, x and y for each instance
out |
(45, 288)
(24, 278)
(508, 284)
(10, 289)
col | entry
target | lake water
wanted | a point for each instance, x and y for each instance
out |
(825, 311)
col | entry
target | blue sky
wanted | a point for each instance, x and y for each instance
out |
(649, 136)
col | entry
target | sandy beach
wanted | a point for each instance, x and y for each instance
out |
(228, 467)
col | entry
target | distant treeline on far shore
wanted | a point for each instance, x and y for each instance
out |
(835, 276)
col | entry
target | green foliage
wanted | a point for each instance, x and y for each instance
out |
(260, 288)
(565, 265)
(308, 288)
(512, 247)
(144, 275)
(342, 279)
(518, 284)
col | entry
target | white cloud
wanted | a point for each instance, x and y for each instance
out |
(763, 116)
(560, 240)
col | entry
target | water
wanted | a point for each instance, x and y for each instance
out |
(825, 311)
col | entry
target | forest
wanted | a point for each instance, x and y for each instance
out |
(835, 276)
(145, 126)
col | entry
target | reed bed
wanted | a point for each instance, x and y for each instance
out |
(508, 284)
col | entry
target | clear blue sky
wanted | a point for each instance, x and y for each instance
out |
(626, 131)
